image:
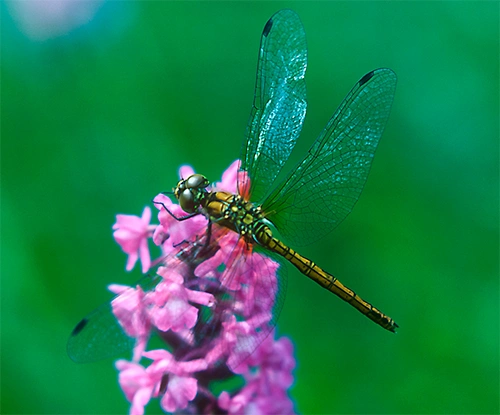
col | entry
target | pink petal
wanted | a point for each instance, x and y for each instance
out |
(141, 399)
(229, 178)
(180, 391)
(192, 366)
(170, 275)
(146, 215)
(144, 255)
(131, 260)
(200, 297)
(185, 171)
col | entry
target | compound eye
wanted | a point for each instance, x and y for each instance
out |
(196, 181)
(181, 186)
(186, 200)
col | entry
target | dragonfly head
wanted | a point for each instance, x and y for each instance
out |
(190, 191)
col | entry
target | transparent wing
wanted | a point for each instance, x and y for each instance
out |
(99, 335)
(279, 105)
(322, 189)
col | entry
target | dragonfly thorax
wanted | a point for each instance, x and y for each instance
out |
(190, 192)
(226, 209)
(234, 212)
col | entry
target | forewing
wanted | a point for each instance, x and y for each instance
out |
(323, 188)
(279, 105)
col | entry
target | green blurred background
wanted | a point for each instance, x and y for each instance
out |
(101, 102)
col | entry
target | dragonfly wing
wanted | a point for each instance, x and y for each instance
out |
(279, 105)
(322, 189)
(99, 335)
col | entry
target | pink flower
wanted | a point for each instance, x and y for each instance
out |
(229, 179)
(169, 304)
(180, 391)
(265, 390)
(141, 384)
(137, 383)
(212, 301)
(132, 233)
(185, 172)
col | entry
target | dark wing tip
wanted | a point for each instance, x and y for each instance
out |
(281, 15)
(79, 327)
(267, 27)
(366, 78)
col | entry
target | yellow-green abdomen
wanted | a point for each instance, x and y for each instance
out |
(326, 280)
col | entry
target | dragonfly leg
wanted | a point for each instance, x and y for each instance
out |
(208, 236)
(178, 218)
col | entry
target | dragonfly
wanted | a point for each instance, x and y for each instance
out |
(308, 203)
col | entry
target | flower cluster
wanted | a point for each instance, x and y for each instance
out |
(214, 301)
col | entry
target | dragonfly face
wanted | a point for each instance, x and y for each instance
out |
(191, 191)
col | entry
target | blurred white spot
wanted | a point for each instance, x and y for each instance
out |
(46, 19)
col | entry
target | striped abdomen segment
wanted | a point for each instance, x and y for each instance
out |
(328, 281)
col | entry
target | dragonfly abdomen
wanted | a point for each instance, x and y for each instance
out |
(245, 218)
(326, 280)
